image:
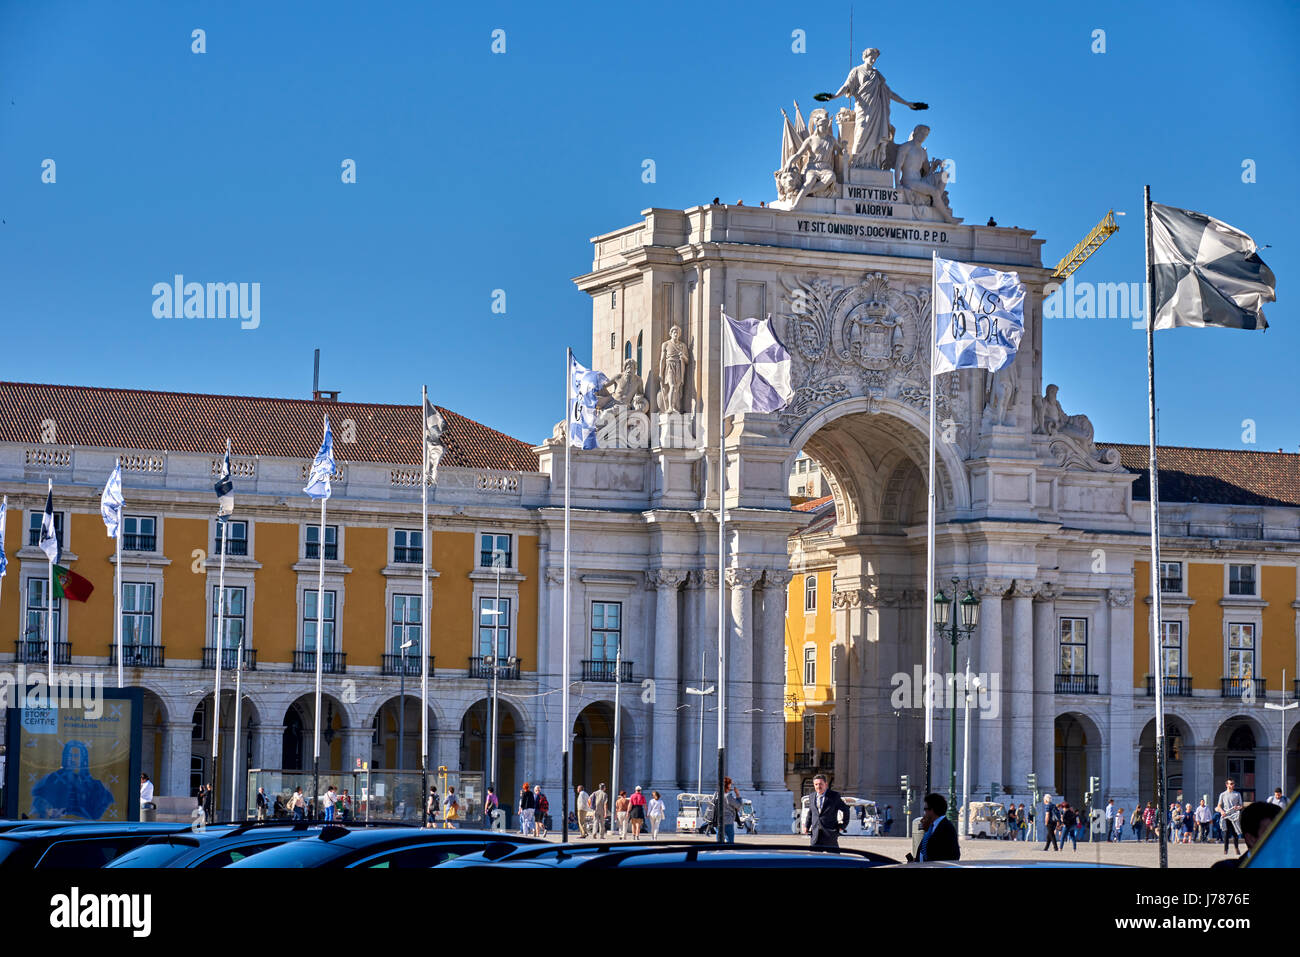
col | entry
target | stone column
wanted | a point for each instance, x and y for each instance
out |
(1118, 683)
(847, 606)
(989, 767)
(1017, 708)
(771, 681)
(550, 651)
(740, 677)
(1045, 658)
(178, 737)
(702, 592)
(444, 749)
(664, 735)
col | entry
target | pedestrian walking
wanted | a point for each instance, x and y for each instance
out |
(1189, 822)
(331, 799)
(263, 805)
(1149, 823)
(450, 809)
(431, 807)
(1069, 822)
(1229, 807)
(1135, 822)
(345, 805)
(1023, 820)
(298, 804)
(889, 819)
(527, 809)
(1203, 818)
(636, 812)
(491, 804)
(732, 808)
(1119, 826)
(1278, 799)
(583, 806)
(541, 812)
(1050, 821)
(621, 806)
(1013, 823)
(826, 810)
(656, 812)
(1110, 819)
(599, 811)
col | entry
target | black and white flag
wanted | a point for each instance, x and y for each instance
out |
(1207, 273)
(225, 489)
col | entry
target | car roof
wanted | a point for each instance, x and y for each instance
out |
(69, 832)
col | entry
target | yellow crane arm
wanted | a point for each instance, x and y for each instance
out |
(1090, 244)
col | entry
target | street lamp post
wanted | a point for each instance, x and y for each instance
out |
(699, 771)
(401, 710)
(971, 682)
(960, 627)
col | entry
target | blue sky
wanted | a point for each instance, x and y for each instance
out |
(479, 171)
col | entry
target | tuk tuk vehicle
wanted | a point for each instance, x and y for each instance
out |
(987, 819)
(694, 813)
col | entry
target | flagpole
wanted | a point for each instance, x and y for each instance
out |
(320, 661)
(235, 750)
(118, 584)
(929, 533)
(424, 602)
(1155, 534)
(564, 666)
(719, 809)
(219, 639)
(49, 597)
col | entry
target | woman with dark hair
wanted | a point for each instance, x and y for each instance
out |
(656, 812)
(71, 791)
(636, 812)
(527, 809)
(620, 814)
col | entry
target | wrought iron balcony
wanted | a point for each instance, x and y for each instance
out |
(234, 546)
(1076, 684)
(331, 550)
(139, 543)
(485, 560)
(803, 760)
(33, 652)
(1233, 687)
(1174, 687)
(1174, 585)
(479, 667)
(407, 556)
(332, 663)
(393, 665)
(599, 669)
(827, 761)
(137, 656)
(228, 658)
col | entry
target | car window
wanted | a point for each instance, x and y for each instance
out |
(308, 852)
(422, 855)
(93, 853)
(230, 855)
(151, 855)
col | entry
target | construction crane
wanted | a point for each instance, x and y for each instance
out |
(1090, 244)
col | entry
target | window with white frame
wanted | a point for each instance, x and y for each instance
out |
(34, 527)
(405, 624)
(139, 533)
(606, 629)
(236, 538)
(1171, 646)
(810, 666)
(1171, 577)
(1074, 646)
(234, 614)
(494, 548)
(810, 593)
(37, 616)
(137, 613)
(309, 622)
(408, 546)
(493, 627)
(312, 549)
(1241, 579)
(1241, 650)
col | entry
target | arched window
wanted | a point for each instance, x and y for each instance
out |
(639, 337)
(627, 350)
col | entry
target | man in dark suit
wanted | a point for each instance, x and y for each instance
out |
(939, 840)
(825, 811)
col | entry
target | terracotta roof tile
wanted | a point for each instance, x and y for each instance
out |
(289, 428)
(1220, 476)
(813, 504)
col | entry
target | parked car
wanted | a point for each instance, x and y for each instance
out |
(217, 846)
(675, 854)
(76, 846)
(337, 846)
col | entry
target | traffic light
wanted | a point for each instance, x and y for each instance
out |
(1094, 784)
(1033, 781)
(904, 783)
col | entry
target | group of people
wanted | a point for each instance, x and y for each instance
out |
(631, 813)
(1185, 823)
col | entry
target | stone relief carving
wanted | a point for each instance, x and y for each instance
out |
(924, 178)
(1024, 588)
(665, 577)
(1048, 591)
(674, 363)
(627, 389)
(777, 578)
(1070, 437)
(810, 171)
(847, 598)
(992, 587)
(743, 577)
(864, 339)
(1120, 597)
(1000, 393)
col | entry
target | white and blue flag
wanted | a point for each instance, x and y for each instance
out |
(49, 540)
(110, 503)
(979, 317)
(755, 367)
(4, 559)
(585, 386)
(225, 489)
(322, 467)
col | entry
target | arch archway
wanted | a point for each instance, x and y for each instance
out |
(395, 742)
(232, 743)
(296, 752)
(1241, 753)
(476, 747)
(1178, 770)
(1078, 755)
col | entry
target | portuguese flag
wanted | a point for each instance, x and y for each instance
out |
(68, 584)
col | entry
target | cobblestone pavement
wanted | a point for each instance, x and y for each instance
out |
(1130, 853)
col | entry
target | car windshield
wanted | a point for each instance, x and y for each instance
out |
(310, 852)
(151, 855)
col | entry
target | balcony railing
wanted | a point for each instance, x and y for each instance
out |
(35, 537)
(331, 551)
(393, 665)
(1174, 585)
(332, 663)
(480, 668)
(139, 543)
(1076, 684)
(408, 556)
(33, 652)
(827, 761)
(599, 669)
(137, 656)
(234, 546)
(1233, 687)
(485, 559)
(803, 760)
(1174, 687)
(229, 656)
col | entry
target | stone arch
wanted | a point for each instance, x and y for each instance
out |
(1242, 747)
(476, 749)
(296, 743)
(387, 720)
(593, 746)
(235, 752)
(1179, 767)
(1078, 752)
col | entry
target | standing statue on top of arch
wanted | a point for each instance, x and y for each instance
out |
(872, 133)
